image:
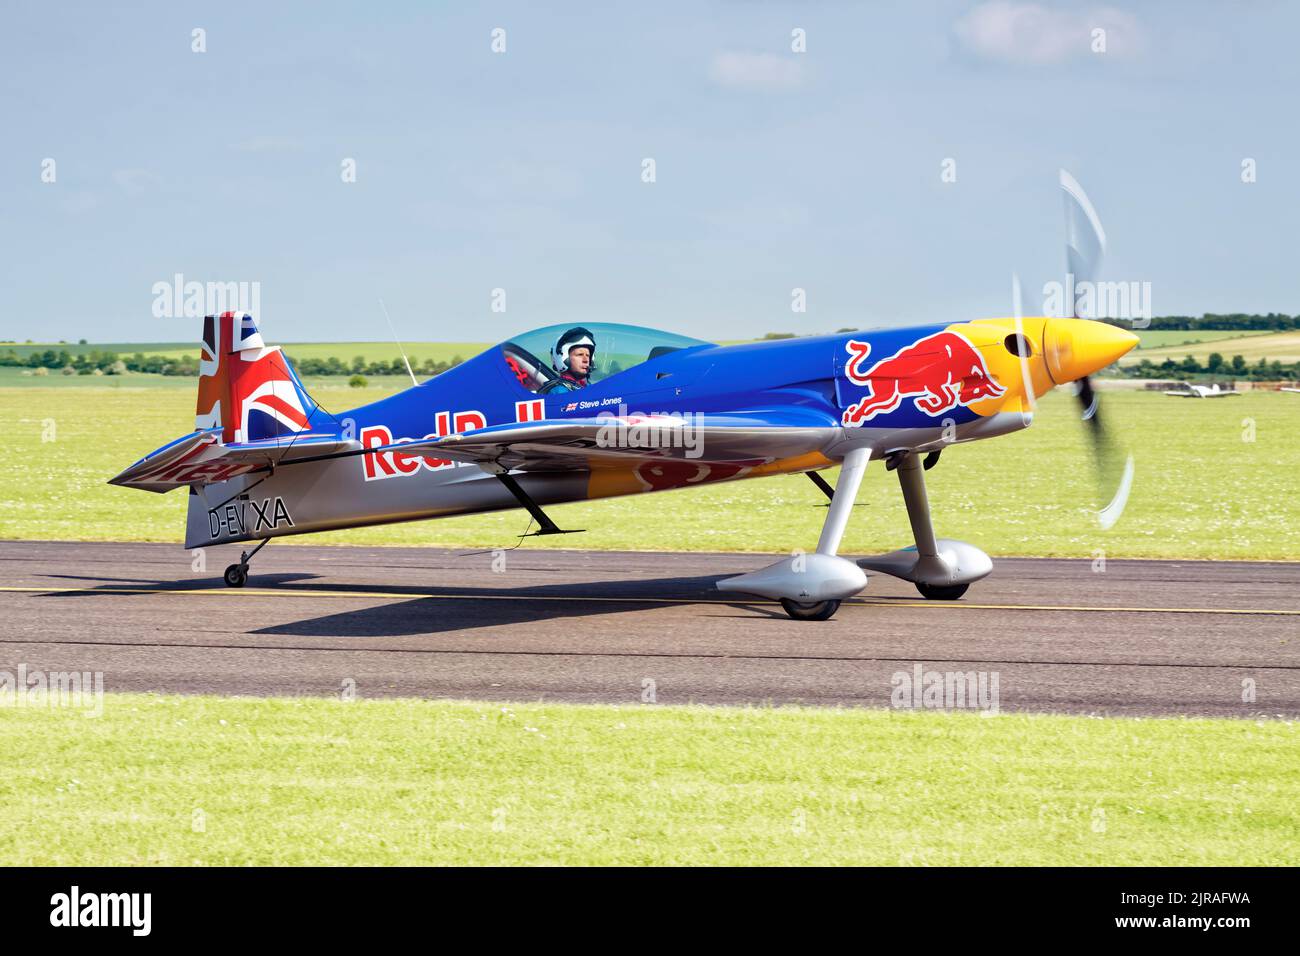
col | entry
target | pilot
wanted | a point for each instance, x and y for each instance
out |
(572, 357)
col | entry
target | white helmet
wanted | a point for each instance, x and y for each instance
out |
(574, 338)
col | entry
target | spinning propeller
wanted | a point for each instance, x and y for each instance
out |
(1074, 351)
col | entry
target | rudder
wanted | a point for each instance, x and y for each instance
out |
(247, 389)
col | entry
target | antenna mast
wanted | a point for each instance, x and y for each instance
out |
(399, 344)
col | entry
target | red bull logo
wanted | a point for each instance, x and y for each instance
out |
(397, 464)
(940, 371)
(195, 467)
(674, 473)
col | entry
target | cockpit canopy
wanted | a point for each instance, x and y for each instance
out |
(532, 359)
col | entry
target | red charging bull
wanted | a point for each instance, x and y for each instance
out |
(943, 370)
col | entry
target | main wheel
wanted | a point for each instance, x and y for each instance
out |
(236, 575)
(818, 611)
(941, 592)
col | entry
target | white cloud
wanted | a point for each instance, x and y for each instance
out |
(1015, 32)
(763, 72)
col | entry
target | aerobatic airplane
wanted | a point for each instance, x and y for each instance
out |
(577, 412)
(1188, 390)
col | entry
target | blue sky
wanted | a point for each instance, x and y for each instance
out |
(522, 170)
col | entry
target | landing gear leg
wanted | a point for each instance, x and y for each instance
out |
(842, 497)
(811, 586)
(911, 479)
(236, 575)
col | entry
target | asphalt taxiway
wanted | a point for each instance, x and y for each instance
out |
(1140, 637)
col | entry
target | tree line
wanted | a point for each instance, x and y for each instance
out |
(101, 362)
(1215, 365)
(104, 362)
(1237, 321)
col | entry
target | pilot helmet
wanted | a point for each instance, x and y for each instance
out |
(575, 337)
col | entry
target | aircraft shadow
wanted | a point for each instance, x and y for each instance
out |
(129, 586)
(436, 610)
(466, 608)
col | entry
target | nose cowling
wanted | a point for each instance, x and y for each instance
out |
(1075, 348)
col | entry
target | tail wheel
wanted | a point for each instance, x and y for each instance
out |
(940, 592)
(818, 611)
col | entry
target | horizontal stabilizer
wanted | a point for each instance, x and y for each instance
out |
(200, 459)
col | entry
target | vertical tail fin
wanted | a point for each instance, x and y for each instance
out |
(246, 389)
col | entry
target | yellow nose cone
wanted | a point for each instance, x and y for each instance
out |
(1078, 347)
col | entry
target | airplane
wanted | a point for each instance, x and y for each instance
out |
(575, 412)
(1188, 390)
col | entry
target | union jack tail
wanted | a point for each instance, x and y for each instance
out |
(246, 389)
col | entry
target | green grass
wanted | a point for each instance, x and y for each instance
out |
(11, 377)
(1201, 491)
(1163, 338)
(25, 349)
(384, 351)
(166, 780)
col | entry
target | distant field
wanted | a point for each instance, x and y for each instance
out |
(130, 348)
(1164, 338)
(1201, 490)
(384, 351)
(1273, 346)
(24, 378)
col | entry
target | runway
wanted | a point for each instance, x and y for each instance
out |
(1139, 638)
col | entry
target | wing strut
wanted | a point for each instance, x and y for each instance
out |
(821, 483)
(544, 523)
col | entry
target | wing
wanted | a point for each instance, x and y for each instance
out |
(618, 442)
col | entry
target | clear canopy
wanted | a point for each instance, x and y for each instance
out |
(533, 360)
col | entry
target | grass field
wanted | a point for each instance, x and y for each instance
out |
(1201, 490)
(164, 780)
(1274, 346)
(384, 351)
(24, 349)
(1164, 338)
